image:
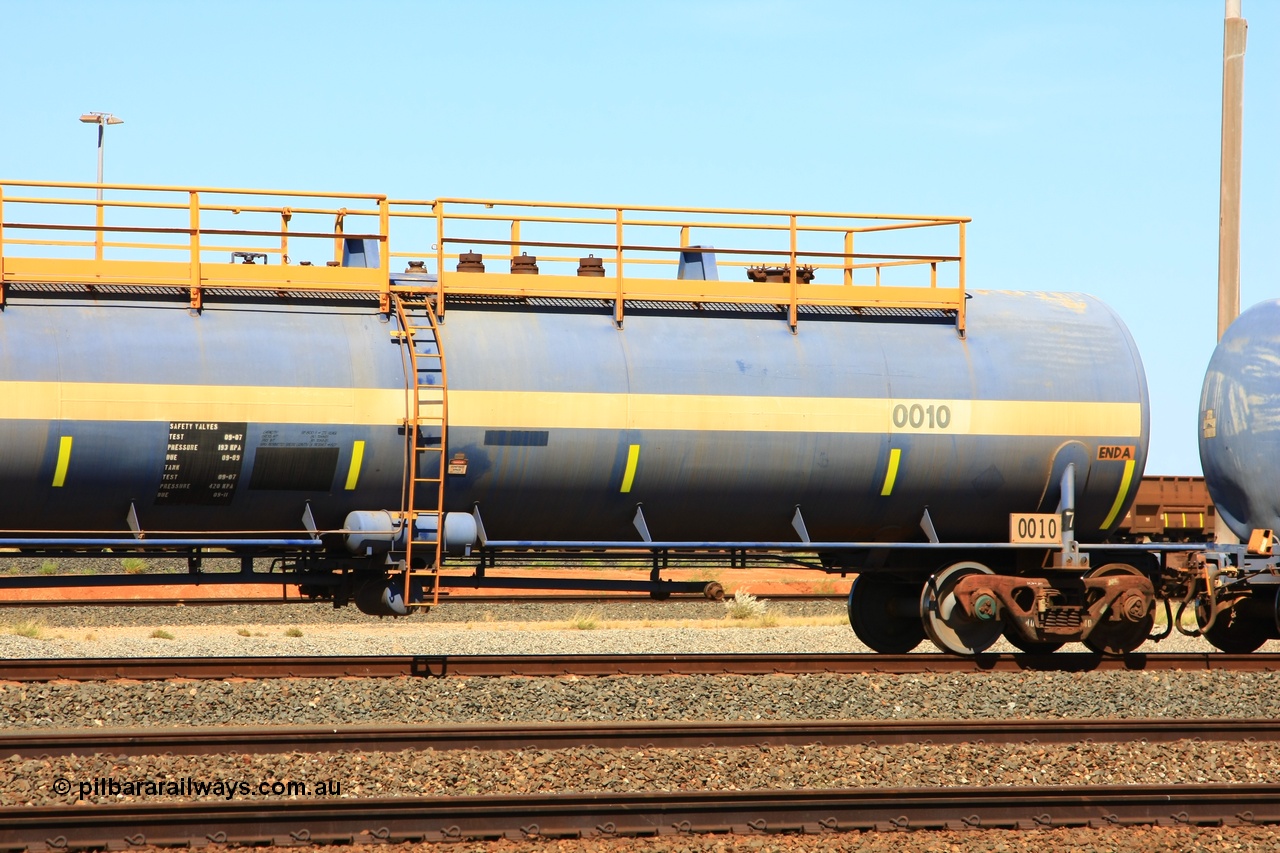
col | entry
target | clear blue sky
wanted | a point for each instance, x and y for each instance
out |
(1082, 137)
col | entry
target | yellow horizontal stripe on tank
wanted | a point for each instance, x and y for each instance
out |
(114, 401)
(571, 410)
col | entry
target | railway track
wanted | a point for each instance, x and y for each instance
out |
(393, 820)
(436, 666)
(630, 734)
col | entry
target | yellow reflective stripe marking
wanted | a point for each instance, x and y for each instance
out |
(118, 401)
(709, 413)
(633, 459)
(1124, 490)
(891, 475)
(64, 459)
(357, 456)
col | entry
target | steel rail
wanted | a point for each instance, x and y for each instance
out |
(575, 815)
(266, 740)
(435, 666)
(453, 600)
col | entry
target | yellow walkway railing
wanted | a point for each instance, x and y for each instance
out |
(195, 238)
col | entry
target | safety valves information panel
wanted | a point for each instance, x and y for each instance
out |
(201, 463)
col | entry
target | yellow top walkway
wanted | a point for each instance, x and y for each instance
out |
(190, 240)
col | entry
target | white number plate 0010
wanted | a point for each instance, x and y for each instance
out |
(1034, 527)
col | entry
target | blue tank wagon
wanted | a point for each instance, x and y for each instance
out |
(1235, 591)
(339, 417)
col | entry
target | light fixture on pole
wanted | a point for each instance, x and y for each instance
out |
(101, 120)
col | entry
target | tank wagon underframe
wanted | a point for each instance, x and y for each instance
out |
(205, 372)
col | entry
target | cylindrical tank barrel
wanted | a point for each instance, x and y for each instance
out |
(721, 424)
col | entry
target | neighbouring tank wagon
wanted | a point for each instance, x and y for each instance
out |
(367, 429)
(1240, 421)
(1239, 433)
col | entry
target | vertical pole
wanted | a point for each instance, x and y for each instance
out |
(439, 210)
(384, 257)
(618, 302)
(102, 132)
(100, 218)
(2, 283)
(684, 236)
(285, 215)
(1234, 30)
(1233, 43)
(338, 224)
(792, 313)
(194, 206)
(97, 240)
(515, 237)
(960, 321)
(848, 258)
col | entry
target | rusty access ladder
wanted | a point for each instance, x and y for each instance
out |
(425, 441)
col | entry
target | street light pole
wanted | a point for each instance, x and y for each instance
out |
(101, 120)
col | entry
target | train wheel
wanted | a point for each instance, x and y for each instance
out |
(876, 615)
(1233, 633)
(1111, 637)
(945, 621)
(1031, 647)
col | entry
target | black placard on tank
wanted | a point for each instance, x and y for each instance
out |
(201, 463)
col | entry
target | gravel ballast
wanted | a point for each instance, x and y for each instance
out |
(354, 701)
(470, 772)
(510, 629)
